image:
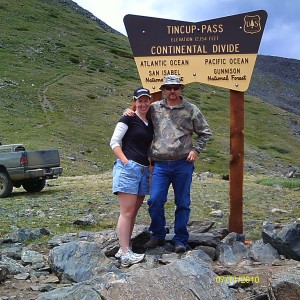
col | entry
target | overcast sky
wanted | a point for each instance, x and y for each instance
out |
(281, 36)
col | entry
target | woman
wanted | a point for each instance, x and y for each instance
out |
(130, 142)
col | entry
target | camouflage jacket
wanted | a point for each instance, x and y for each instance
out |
(173, 130)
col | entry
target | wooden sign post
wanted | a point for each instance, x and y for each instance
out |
(236, 161)
(220, 52)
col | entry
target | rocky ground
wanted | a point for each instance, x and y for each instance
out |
(24, 289)
(69, 199)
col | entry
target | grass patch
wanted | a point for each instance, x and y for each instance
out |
(275, 148)
(288, 183)
(122, 53)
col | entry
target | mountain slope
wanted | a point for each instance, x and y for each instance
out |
(66, 77)
(280, 75)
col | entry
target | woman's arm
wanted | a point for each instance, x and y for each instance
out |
(116, 141)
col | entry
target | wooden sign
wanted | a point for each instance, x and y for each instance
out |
(220, 52)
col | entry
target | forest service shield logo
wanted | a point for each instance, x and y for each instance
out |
(252, 24)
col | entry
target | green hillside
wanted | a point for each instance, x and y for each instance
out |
(65, 81)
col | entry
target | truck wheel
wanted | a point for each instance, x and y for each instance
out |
(6, 186)
(34, 186)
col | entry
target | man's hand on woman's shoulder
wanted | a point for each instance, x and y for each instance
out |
(128, 112)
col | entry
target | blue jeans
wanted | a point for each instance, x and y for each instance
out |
(179, 174)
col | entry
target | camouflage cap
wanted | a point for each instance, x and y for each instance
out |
(171, 80)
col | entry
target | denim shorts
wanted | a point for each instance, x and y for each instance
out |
(131, 178)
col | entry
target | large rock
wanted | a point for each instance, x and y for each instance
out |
(11, 265)
(23, 234)
(264, 253)
(78, 292)
(225, 255)
(107, 239)
(232, 249)
(186, 279)
(79, 261)
(285, 286)
(203, 239)
(285, 240)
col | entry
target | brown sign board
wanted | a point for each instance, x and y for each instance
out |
(220, 52)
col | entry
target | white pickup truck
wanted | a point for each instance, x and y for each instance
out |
(29, 169)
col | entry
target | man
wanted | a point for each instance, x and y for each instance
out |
(173, 155)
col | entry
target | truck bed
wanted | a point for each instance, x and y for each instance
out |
(29, 169)
(39, 163)
(43, 158)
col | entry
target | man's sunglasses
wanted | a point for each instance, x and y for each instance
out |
(169, 88)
